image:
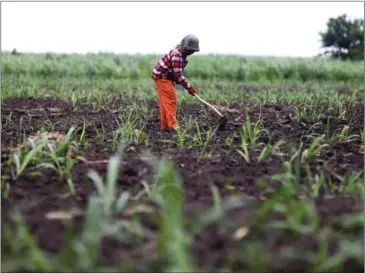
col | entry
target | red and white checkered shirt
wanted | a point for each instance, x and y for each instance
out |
(171, 63)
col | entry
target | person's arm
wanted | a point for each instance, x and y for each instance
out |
(178, 66)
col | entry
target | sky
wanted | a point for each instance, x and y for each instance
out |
(247, 28)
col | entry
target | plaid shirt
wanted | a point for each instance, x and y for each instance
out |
(170, 64)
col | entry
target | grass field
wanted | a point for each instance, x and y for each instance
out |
(89, 183)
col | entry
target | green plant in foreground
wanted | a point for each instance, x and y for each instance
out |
(24, 249)
(216, 213)
(173, 239)
(81, 252)
(169, 194)
(108, 193)
(301, 217)
(257, 257)
(85, 251)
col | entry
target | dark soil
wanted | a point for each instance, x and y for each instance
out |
(35, 196)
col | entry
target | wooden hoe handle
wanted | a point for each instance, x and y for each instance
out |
(211, 106)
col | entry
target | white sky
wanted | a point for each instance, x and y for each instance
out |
(248, 28)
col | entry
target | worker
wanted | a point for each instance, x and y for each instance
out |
(167, 73)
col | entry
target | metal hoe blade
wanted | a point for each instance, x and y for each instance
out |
(222, 123)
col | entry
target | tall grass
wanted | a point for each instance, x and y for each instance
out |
(236, 68)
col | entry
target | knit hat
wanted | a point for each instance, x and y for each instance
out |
(190, 42)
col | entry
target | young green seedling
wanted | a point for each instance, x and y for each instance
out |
(314, 149)
(352, 182)
(208, 138)
(251, 131)
(270, 150)
(342, 136)
(244, 151)
(314, 183)
(181, 137)
(24, 157)
(198, 139)
(230, 139)
(8, 119)
(100, 134)
(62, 159)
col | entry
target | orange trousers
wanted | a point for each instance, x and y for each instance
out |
(168, 103)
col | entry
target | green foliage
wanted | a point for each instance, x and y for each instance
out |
(344, 38)
(52, 66)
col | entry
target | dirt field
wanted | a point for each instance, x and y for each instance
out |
(219, 164)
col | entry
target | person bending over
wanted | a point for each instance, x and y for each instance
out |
(169, 71)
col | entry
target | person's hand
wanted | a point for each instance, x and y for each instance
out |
(192, 91)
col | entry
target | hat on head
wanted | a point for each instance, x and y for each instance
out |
(190, 42)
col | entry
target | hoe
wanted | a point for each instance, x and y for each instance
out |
(222, 120)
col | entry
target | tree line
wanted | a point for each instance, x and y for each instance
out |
(344, 38)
